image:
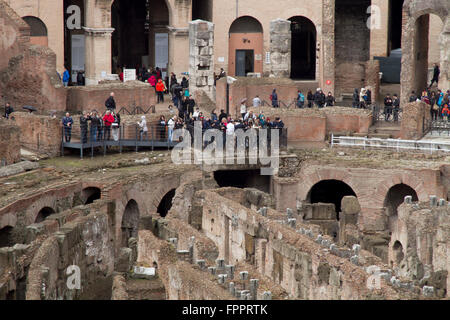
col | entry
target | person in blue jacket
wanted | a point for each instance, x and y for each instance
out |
(66, 77)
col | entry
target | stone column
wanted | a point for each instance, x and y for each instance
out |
(201, 59)
(328, 62)
(98, 33)
(444, 40)
(178, 50)
(280, 48)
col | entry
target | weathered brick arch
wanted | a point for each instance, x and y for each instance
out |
(310, 180)
(413, 10)
(33, 210)
(404, 178)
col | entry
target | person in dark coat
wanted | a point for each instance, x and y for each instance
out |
(173, 79)
(274, 98)
(110, 103)
(396, 107)
(330, 100)
(319, 98)
(84, 126)
(436, 73)
(95, 125)
(67, 122)
(413, 96)
(355, 99)
(190, 104)
(8, 110)
(222, 115)
(387, 107)
(310, 98)
(184, 83)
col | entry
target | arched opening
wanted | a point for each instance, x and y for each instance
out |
(166, 203)
(6, 239)
(245, 47)
(89, 195)
(398, 255)
(202, 9)
(395, 24)
(394, 198)
(130, 222)
(43, 214)
(242, 179)
(38, 28)
(330, 191)
(141, 38)
(303, 48)
(426, 50)
(351, 45)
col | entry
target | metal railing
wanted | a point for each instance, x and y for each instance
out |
(379, 114)
(393, 144)
(137, 110)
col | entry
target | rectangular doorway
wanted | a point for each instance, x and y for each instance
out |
(78, 58)
(245, 62)
(162, 52)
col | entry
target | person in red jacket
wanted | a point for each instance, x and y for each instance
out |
(160, 88)
(108, 120)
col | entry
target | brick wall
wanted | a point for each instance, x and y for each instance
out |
(41, 134)
(9, 143)
(352, 44)
(416, 116)
(126, 95)
(27, 72)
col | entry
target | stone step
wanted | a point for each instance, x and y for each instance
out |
(379, 135)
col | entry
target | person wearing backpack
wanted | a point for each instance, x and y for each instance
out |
(300, 99)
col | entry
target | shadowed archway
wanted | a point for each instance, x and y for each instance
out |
(43, 214)
(330, 191)
(130, 222)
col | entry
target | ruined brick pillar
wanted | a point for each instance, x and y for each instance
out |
(98, 33)
(201, 59)
(280, 48)
(328, 63)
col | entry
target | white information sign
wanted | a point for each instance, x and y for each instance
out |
(129, 75)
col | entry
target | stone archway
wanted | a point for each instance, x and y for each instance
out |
(166, 203)
(303, 48)
(43, 214)
(415, 45)
(90, 194)
(245, 47)
(38, 34)
(6, 236)
(130, 222)
(330, 191)
(394, 198)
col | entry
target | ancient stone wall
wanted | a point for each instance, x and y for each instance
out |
(416, 119)
(290, 259)
(419, 244)
(28, 74)
(86, 243)
(9, 143)
(315, 125)
(128, 95)
(41, 134)
(181, 280)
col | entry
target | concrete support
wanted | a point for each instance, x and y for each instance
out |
(98, 33)
(280, 48)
